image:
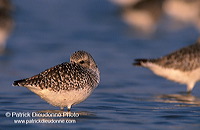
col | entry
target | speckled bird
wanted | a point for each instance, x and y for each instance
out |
(65, 84)
(182, 66)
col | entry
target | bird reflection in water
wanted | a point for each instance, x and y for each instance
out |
(81, 113)
(185, 99)
(69, 115)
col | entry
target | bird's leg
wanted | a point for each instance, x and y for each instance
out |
(190, 87)
(69, 108)
(189, 92)
(62, 108)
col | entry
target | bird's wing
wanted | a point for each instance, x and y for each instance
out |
(185, 59)
(65, 76)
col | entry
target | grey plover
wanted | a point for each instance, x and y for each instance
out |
(182, 66)
(143, 15)
(65, 84)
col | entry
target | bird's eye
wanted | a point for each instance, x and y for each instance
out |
(81, 62)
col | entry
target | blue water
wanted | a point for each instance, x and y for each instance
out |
(47, 32)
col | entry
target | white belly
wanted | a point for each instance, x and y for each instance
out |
(62, 98)
(183, 77)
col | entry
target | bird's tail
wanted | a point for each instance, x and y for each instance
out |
(140, 62)
(18, 82)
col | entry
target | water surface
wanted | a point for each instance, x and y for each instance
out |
(128, 97)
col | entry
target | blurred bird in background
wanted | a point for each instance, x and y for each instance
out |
(143, 15)
(146, 15)
(183, 11)
(6, 22)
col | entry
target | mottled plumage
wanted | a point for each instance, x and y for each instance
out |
(81, 75)
(182, 66)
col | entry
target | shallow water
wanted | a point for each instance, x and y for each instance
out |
(128, 97)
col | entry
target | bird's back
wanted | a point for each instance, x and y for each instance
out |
(65, 76)
(185, 59)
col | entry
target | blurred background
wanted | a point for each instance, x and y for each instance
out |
(38, 34)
